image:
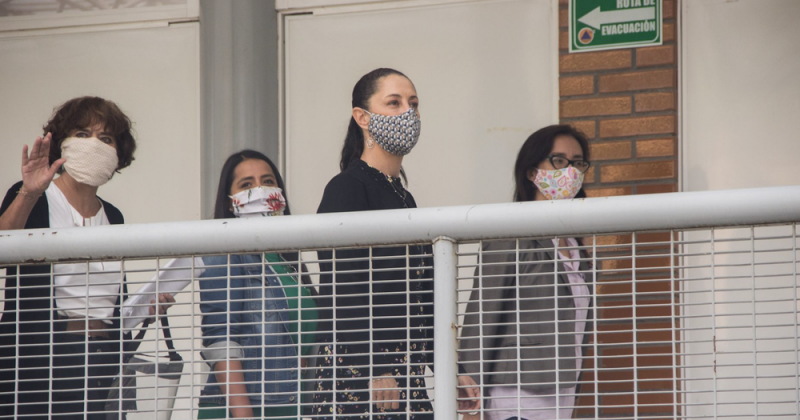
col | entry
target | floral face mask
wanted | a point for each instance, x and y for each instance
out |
(558, 184)
(258, 202)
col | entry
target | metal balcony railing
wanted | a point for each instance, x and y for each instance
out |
(693, 311)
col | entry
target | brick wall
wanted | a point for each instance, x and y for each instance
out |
(626, 103)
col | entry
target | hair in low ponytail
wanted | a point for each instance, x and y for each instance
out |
(363, 90)
(353, 144)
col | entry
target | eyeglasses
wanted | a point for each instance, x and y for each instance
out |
(560, 162)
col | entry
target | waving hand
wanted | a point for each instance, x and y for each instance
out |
(36, 169)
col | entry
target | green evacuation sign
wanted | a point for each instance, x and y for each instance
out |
(608, 24)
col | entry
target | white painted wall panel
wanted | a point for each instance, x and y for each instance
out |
(485, 73)
(741, 97)
(152, 74)
(741, 93)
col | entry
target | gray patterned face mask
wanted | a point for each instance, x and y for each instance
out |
(396, 134)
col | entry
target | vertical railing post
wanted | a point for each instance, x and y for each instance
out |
(444, 327)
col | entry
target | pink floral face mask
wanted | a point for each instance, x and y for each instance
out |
(258, 202)
(559, 184)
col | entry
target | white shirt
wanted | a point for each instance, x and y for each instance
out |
(505, 401)
(77, 293)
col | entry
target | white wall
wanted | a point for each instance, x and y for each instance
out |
(152, 74)
(741, 93)
(740, 98)
(485, 73)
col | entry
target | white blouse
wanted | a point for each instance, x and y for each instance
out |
(80, 292)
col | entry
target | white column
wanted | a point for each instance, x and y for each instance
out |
(444, 326)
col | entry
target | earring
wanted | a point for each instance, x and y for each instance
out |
(370, 142)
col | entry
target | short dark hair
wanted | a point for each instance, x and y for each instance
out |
(535, 150)
(222, 206)
(86, 111)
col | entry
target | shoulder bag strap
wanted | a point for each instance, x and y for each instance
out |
(133, 345)
(173, 355)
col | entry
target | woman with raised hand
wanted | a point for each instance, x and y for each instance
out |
(64, 325)
(531, 365)
(249, 303)
(381, 307)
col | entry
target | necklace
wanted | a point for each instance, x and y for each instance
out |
(394, 188)
(418, 250)
(392, 181)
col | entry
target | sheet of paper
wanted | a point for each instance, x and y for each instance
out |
(174, 277)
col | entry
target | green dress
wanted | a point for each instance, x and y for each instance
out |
(308, 327)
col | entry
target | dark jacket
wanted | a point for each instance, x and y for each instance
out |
(492, 313)
(36, 306)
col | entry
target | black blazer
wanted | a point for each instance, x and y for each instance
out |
(36, 303)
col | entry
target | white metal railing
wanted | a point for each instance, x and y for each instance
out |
(671, 299)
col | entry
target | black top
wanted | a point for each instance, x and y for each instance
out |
(393, 280)
(37, 305)
(361, 187)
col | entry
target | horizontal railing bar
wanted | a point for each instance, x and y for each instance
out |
(601, 215)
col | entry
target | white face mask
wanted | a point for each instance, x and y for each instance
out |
(258, 202)
(89, 160)
(558, 183)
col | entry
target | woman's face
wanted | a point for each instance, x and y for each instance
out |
(395, 95)
(98, 131)
(564, 146)
(252, 173)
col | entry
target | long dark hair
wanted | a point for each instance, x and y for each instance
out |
(535, 150)
(362, 91)
(222, 206)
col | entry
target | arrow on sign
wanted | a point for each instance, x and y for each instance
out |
(595, 18)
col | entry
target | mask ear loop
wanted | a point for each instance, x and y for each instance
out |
(370, 140)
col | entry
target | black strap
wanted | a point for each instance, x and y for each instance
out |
(133, 345)
(173, 355)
